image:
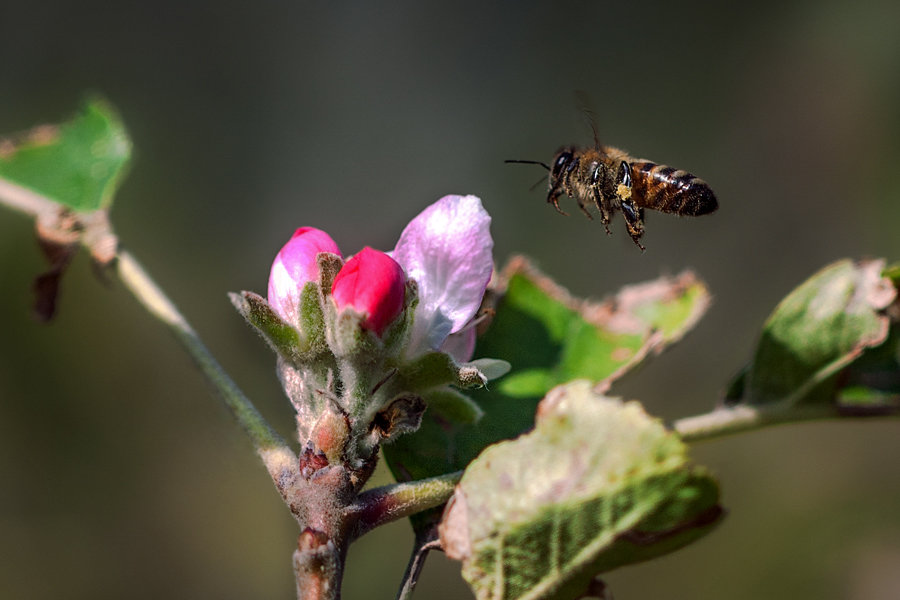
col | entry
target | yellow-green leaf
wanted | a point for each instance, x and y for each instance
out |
(596, 485)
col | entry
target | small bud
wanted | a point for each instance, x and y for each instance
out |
(294, 267)
(372, 284)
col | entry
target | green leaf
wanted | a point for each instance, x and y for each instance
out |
(312, 318)
(434, 369)
(871, 385)
(79, 163)
(598, 484)
(550, 338)
(545, 331)
(815, 333)
(282, 337)
(452, 405)
(427, 371)
(491, 368)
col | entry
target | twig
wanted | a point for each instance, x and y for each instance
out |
(274, 451)
(391, 502)
(25, 200)
(727, 420)
(263, 437)
(426, 541)
(318, 567)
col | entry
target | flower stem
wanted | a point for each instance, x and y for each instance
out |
(277, 456)
(391, 502)
(152, 298)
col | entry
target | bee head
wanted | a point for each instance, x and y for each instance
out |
(562, 162)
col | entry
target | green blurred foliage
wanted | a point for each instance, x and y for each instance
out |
(123, 477)
(78, 163)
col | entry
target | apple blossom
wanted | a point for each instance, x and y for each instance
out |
(447, 250)
(351, 391)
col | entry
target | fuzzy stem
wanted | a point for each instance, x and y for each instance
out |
(318, 567)
(265, 440)
(391, 502)
(140, 284)
(727, 420)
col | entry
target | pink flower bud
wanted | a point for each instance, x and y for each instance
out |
(294, 266)
(371, 283)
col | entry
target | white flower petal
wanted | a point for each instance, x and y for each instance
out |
(283, 294)
(447, 250)
(460, 345)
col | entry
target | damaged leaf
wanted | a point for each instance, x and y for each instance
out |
(549, 337)
(597, 484)
(66, 175)
(597, 341)
(78, 164)
(819, 330)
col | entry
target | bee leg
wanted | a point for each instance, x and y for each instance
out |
(553, 198)
(634, 221)
(585, 210)
(602, 207)
(566, 184)
(605, 218)
(623, 182)
(634, 217)
(596, 177)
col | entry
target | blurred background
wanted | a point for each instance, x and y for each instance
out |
(121, 476)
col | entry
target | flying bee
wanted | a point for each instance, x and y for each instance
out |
(612, 180)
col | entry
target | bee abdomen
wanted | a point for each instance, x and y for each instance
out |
(664, 188)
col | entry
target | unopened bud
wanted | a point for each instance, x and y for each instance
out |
(295, 266)
(372, 284)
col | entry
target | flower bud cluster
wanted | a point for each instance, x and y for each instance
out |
(364, 344)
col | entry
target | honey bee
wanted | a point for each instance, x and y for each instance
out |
(612, 180)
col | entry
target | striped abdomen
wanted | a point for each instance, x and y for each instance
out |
(670, 190)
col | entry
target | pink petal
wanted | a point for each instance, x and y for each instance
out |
(447, 250)
(460, 345)
(294, 266)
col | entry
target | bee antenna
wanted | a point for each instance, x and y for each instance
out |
(529, 162)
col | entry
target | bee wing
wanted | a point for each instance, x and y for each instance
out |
(586, 109)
